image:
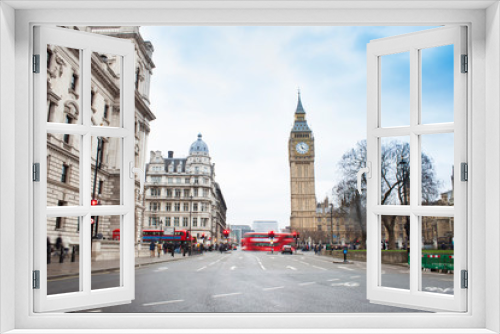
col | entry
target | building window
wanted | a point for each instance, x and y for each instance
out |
(195, 192)
(178, 180)
(155, 191)
(106, 111)
(92, 96)
(74, 80)
(177, 193)
(185, 207)
(153, 206)
(64, 174)
(205, 192)
(176, 221)
(205, 180)
(185, 221)
(169, 192)
(195, 207)
(186, 193)
(67, 120)
(60, 220)
(99, 187)
(177, 207)
(186, 180)
(204, 222)
(170, 180)
(167, 221)
(195, 222)
(168, 207)
(196, 179)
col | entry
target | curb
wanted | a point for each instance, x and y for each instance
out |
(137, 265)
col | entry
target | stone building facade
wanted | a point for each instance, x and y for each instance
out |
(181, 194)
(63, 151)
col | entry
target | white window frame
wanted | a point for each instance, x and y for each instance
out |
(483, 19)
(413, 43)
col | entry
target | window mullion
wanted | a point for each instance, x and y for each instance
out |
(414, 168)
(85, 173)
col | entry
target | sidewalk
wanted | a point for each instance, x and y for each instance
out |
(56, 270)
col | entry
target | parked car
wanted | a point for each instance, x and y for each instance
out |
(287, 249)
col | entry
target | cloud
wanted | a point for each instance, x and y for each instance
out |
(238, 87)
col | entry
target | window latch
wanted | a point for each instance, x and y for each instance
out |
(465, 279)
(36, 172)
(367, 170)
(464, 171)
(36, 63)
(36, 279)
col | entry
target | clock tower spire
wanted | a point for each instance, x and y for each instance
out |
(301, 158)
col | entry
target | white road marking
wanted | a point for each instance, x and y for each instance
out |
(164, 302)
(161, 269)
(333, 279)
(290, 267)
(319, 267)
(307, 283)
(214, 262)
(201, 268)
(227, 294)
(273, 288)
(307, 264)
(233, 267)
(351, 284)
(345, 268)
(347, 284)
(260, 263)
(357, 276)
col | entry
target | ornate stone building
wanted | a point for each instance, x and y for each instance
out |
(63, 151)
(302, 188)
(181, 193)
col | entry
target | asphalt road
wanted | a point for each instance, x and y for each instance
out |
(241, 281)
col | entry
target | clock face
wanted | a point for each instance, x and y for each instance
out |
(302, 148)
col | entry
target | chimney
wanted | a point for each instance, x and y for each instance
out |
(170, 154)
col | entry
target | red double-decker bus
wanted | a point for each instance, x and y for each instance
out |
(259, 241)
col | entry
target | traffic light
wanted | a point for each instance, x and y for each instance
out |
(270, 234)
(294, 234)
(226, 233)
(203, 236)
(93, 202)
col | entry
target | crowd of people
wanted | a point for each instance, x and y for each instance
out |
(163, 248)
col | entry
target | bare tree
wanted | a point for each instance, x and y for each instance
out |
(395, 185)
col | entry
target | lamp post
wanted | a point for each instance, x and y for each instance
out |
(270, 234)
(190, 223)
(331, 220)
(97, 163)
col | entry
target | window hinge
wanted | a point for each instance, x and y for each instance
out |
(465, 64)
(36, 63)
(465, 279)
(36, 279)
(36, 172)
(464, 171)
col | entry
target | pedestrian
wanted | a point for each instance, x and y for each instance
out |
(158, 248)
(59, 244)
(165, 248)
(152, 247)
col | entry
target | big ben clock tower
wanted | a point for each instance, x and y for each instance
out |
(301, 157)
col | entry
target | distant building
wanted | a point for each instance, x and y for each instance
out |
(265, 225)
(178, 189)
(238, 231)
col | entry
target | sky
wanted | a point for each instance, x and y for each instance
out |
(237, 86)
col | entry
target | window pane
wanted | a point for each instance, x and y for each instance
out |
(437, 84)
(395, 272)
(437, 254)
(106, 99)
(63, 169)
(63, 255)
(63, 85)
(106, 170)
(395, 89)
(395, 171)
(437, 169)
(106, 252)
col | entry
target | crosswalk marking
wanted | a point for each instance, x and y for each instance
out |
(290, 267)
(201, 268)
(273, 288)
(319, 267)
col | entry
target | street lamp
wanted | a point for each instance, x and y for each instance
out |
(94, 201)
(190, 224)
(331, 220)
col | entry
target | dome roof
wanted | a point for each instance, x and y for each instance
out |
(199, 147)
